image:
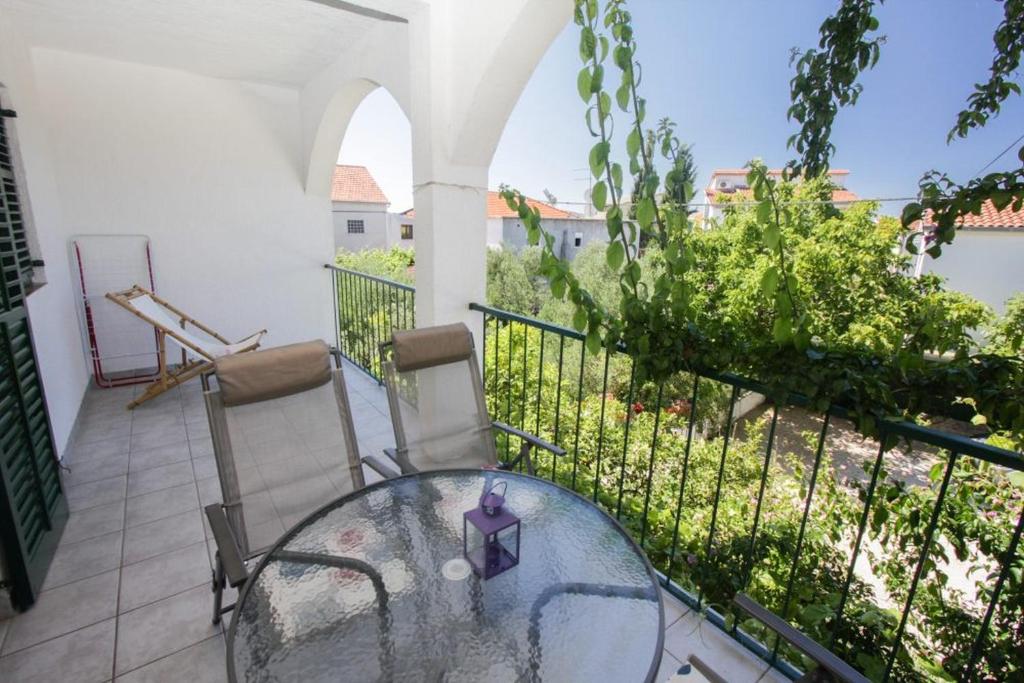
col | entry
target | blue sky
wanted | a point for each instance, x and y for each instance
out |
(721, 71)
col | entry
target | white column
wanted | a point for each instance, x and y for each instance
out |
(451, 250)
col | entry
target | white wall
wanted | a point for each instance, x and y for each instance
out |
(375, 225)
(52, 313)
(210, 169)
(395, 223)
(987, 264)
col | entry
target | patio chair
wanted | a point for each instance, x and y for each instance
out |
(285, 446)
(451, 428)
(827, 668)
(168, 321)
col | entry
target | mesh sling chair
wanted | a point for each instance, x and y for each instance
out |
(285, 445)
(451, 428)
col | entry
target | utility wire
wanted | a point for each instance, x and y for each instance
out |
(999, 156)
(783, 203)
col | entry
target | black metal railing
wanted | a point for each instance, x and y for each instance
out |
(703, 489)
(788, 506)
(367, 308)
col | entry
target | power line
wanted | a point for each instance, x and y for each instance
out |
(782, 203)
(998, 156)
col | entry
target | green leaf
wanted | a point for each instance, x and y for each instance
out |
(764, 212)
(593, 341)
(770, 281)
(622, 97)
(1001, 199)
(911, 212)
(599, 195)
(1017, 479)
(772, 236)
(598, 158)
(615, 254)
(782, 330)
(597, 78)
(579, 319)
(558, 287)
(645, 212)
(633, 141)
(617, 176)
(588, 42)
(583, 82)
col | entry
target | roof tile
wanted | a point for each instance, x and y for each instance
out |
(990, 217)
(355, 184)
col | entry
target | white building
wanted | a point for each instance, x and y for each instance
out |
(729, 185)
(504, 228)
(986, 259)
(360, 209)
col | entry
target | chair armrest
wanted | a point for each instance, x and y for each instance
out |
(704, 670)
(810, 647)
(382, 466)
(529, 438)
(230, 556)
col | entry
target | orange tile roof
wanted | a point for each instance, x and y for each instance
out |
(497, 208)
(355, 184)
(990, 217)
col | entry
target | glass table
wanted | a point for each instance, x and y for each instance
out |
(365, 590)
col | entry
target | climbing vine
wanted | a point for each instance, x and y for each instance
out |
(655, 318)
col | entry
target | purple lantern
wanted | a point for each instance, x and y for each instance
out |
(490, 535)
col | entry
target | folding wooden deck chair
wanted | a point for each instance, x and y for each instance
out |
(197, 352)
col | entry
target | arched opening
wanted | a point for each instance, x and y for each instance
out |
(371, 184)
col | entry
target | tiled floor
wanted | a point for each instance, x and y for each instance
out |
(127, 597)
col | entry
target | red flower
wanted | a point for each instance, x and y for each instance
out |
(638, 408)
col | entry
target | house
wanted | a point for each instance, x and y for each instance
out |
(359, 209)
(728, 185)
(572, 231)
(985, 259)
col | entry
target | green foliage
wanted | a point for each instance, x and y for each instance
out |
(509, 285)
(826, 80)
(801, 342)
(973, 531)
(609, 439)
(1006, 335)
(393, 264)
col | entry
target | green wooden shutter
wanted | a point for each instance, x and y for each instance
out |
(32, 505)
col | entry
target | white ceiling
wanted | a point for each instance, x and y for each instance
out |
(284, 42)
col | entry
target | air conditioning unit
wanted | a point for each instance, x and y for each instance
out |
(723, 185)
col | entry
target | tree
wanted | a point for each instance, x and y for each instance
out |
(509, 286)
(656, 318)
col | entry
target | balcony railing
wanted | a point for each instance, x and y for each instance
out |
(367, 308)
(725, 502)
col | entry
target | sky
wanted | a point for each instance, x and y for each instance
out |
(721, 72)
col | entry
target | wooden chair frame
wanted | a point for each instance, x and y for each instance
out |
(167, 378)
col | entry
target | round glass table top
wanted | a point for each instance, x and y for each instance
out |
(366, 590)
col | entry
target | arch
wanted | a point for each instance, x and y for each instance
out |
(501, 82)
(330, 132)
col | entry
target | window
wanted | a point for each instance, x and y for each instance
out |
(577, 240)
(356, 227)
(406, 231)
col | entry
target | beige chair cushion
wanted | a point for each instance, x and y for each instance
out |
(272, 373)
(431, 346)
